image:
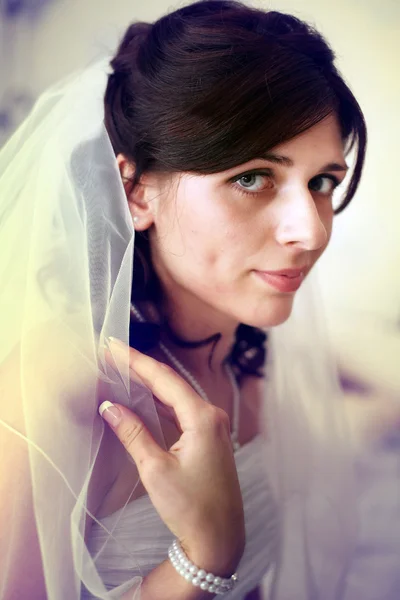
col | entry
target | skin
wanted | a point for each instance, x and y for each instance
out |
(208, 237)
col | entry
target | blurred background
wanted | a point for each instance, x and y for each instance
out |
(43, 40)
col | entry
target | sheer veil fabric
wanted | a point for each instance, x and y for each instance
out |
(66, 272)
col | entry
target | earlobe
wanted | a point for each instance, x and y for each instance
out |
(140, 208)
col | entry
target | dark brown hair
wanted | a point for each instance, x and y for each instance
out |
(211, 86)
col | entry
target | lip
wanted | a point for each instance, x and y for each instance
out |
(285, 280)
(287, 272)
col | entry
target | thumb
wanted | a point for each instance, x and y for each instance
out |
(131, 432)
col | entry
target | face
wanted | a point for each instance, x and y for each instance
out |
(213, 237)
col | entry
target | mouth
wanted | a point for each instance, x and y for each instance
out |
(285, 280)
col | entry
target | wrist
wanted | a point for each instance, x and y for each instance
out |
(216, 558)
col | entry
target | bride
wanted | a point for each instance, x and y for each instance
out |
(160, 214)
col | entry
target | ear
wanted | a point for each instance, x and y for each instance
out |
(140, 207)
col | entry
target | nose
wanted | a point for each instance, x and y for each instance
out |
(302, 222)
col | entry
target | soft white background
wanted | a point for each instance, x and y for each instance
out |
(360, 271)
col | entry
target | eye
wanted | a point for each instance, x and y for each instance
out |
(252, 182)
(324, 184)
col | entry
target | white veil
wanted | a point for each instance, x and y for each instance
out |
(66, 269)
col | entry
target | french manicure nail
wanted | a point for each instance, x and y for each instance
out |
(110, 413)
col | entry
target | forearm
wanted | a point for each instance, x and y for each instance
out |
(165, 583)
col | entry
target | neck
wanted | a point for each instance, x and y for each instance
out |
(196, 324)
(206, 361)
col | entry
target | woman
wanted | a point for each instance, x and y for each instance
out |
(225, 135)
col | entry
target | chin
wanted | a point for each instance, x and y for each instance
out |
(271, 313)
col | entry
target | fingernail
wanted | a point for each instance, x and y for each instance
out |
(110, 413)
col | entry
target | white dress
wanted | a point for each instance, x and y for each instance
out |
(141, 531)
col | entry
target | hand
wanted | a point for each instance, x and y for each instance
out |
(194, 486)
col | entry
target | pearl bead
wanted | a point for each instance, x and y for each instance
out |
(197, 576)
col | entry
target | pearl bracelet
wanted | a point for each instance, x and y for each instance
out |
(198, 577)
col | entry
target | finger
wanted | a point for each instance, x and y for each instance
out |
(131, 432)
(164, 382)
(164, 411)
(111, 360)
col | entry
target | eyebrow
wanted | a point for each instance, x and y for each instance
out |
(287, 162)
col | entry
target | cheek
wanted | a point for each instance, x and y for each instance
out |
(210, 259)
(206, 240)
(192, 240)
(203, 232)
(215, 249)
